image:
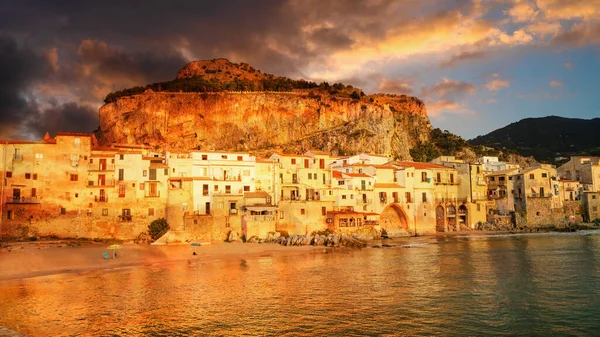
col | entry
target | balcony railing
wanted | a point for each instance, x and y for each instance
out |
(233, 211)
(101, 198)
(107, 182)
(125, 218)
(233, 178)
(22, 200)
(107, 167)
(153, 195)
(260, 218)
(538, 195)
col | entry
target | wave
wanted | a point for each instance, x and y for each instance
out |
(485, 236)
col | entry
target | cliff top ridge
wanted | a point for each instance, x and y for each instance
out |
(219, 75)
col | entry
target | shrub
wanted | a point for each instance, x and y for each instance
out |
(157, 228)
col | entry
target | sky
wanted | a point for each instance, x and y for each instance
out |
(479, 65)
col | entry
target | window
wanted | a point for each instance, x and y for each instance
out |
(492, 179)
(27, 175)
(593, 197)
(544, 175)
(121, 191)
(216, 188)
(105, 211)
(424, 196)
(306, 163)
(424, 177)
(166, 172)
(39, 156)
(150, 211)
(223, 156)
(344, 196)
(501, 178)
(35, 176)
(302, 211)
(9, 215)
(281, 214)
(478, 207)
(121, 174)
(152, 174)
(293, 161)
(478, 169)
(246, 188)
(63, 211)
(74, 177)
(77, 142)
(145, 173)
(532, 176)
(228, 189)
(33, 193)
(142, 186)
(439, 177)
(239, 158)
(8, 174)
(204, 157)
(323, 211)
(310, 176)
(594, 208)
(407, 196)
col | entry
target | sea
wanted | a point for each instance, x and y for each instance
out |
(497, 285)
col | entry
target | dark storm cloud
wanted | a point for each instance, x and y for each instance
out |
(19, 68)
(103, 46)
(67, 117)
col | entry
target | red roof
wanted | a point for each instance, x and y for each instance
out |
(337, 175)
(387, 185)
(418, 165)
(361, 175)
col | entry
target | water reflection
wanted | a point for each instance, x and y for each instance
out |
(527, 285)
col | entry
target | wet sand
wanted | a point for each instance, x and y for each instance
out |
(33, 259)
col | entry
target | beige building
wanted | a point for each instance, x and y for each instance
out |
(538, 195)
(472, 191)
(501, 190)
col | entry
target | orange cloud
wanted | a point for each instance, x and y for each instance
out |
(555, 84)
(497, 84)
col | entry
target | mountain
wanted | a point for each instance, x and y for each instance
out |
(548, 139)
(220, 105)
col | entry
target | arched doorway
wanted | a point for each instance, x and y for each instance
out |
(451, 217)
(440, 223)
(393, 219)
(462, 215)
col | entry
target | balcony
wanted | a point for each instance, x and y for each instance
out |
(100, 198)
(439, 200)
(260, 218)
(102, 168)
(125, 218)
(233, 211)
(363, 201)
(99, 183)
(232, 178)
(153, 195)
(22, 200)
(537, 195)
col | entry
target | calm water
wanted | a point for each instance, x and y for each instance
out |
(510, 285)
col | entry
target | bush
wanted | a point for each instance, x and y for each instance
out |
(157, 228)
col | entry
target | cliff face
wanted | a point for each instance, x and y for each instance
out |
(262, 121)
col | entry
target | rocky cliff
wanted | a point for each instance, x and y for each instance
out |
(261, 121)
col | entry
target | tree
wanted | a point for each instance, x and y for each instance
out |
(424, 152)
(355, 95)
(157, 228)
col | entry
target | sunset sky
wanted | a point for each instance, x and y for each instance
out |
(479, 65)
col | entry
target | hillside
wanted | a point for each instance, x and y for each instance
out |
(220, 105)
(548, 139)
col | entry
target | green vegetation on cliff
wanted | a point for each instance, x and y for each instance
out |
(445, 143)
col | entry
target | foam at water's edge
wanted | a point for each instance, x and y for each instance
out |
(578, 233)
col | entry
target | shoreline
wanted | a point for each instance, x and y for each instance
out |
(31, 259)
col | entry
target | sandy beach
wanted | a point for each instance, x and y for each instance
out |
(20, 260)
